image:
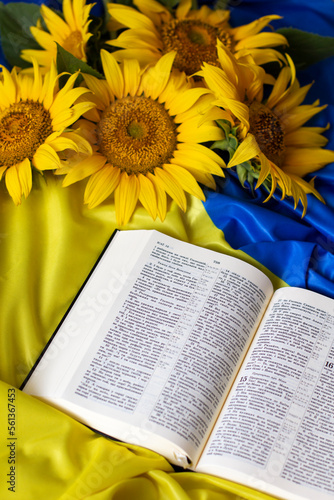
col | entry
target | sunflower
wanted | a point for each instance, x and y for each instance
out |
(147, 139)
(266, 138)
(34, 114)
(71, 33)
(192, 33)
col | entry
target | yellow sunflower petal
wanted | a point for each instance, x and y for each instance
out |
(171, 186)
(161, 197)
(192, 158)
(283, 180)
(101, 185)
(265, 169)
(307, 187)
(183, 9)
(143, 56)
(130, 17)
(292, 100)
(85, 168)
(132, 72)
(292, 121)
(64, 100)
(246, 150)
(155, 79)
(82, 144)
(60, 143)
(100, 89)
(199, 109)
(185, 179)
(69, 14)
(81, 107)
(25, 176)
(113, 73)
(262, 56)
(41, 56)
(207, 15)
(306, 136)
(37, 85)
(147, 195)
(293, 69)
(8, 88)
(76, 14)
(154, 11)
(13, 184)
(216, 113)
(126, 197)
(218, 82)
(49, 87)
(202, 153)
(189, 131)
(279, 88)
(174, 87)
(252, 28)
(203, 178)
(63, 119)
(273, 184)
(55, 23)
(46, 41)
(237, 108)
(229, 64)
(302, 161)
(46, 158)
(265, 39)
(184, 100)
(139, 38)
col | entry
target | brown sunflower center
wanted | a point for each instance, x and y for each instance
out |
(136, 134)
(73, 44)
(194, 41)
(268, 131)
(24, 126)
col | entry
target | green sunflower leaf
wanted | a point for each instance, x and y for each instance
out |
(223, 145)
(233, 141)
(307, 48)
(242, 174)
(68, 63)
(16, 18)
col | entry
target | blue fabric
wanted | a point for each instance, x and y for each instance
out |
(309, 15)
(300, 251)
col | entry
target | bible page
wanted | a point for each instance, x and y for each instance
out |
(163, 359)
(276, 430)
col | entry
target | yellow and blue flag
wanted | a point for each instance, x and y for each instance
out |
(49, 244)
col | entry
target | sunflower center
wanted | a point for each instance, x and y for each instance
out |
(24, 126)
(136, 134)
(268, 131)
(73, 44)
(194, 41)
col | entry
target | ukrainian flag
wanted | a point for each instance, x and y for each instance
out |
(49, 244)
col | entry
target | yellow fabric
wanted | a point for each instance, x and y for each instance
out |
(48, 245)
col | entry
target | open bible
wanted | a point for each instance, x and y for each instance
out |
(191, 353)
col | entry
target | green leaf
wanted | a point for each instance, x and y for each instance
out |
(233, 141)
(223, 145)
(68, 63)
(225, 125)
(242, 174)
(307, 48)
(16, 18)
